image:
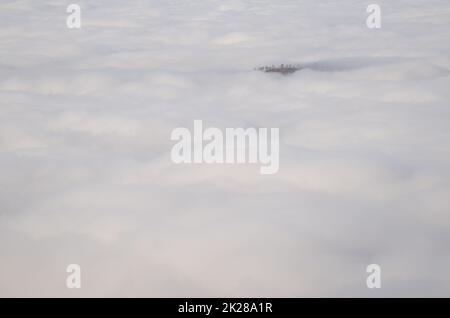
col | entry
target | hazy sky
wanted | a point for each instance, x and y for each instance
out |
(85, 169)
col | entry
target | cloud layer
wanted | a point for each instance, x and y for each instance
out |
(86, 175)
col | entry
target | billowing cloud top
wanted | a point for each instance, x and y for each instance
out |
(86, 175)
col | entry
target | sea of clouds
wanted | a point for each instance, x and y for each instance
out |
(85, 169)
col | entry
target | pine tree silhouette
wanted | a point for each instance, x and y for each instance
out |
(282, 69)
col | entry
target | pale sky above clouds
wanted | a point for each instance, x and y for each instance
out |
(85, 169)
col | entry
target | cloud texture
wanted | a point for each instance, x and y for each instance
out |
(85, 169)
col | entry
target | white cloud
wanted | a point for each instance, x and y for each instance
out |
(86, 176)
